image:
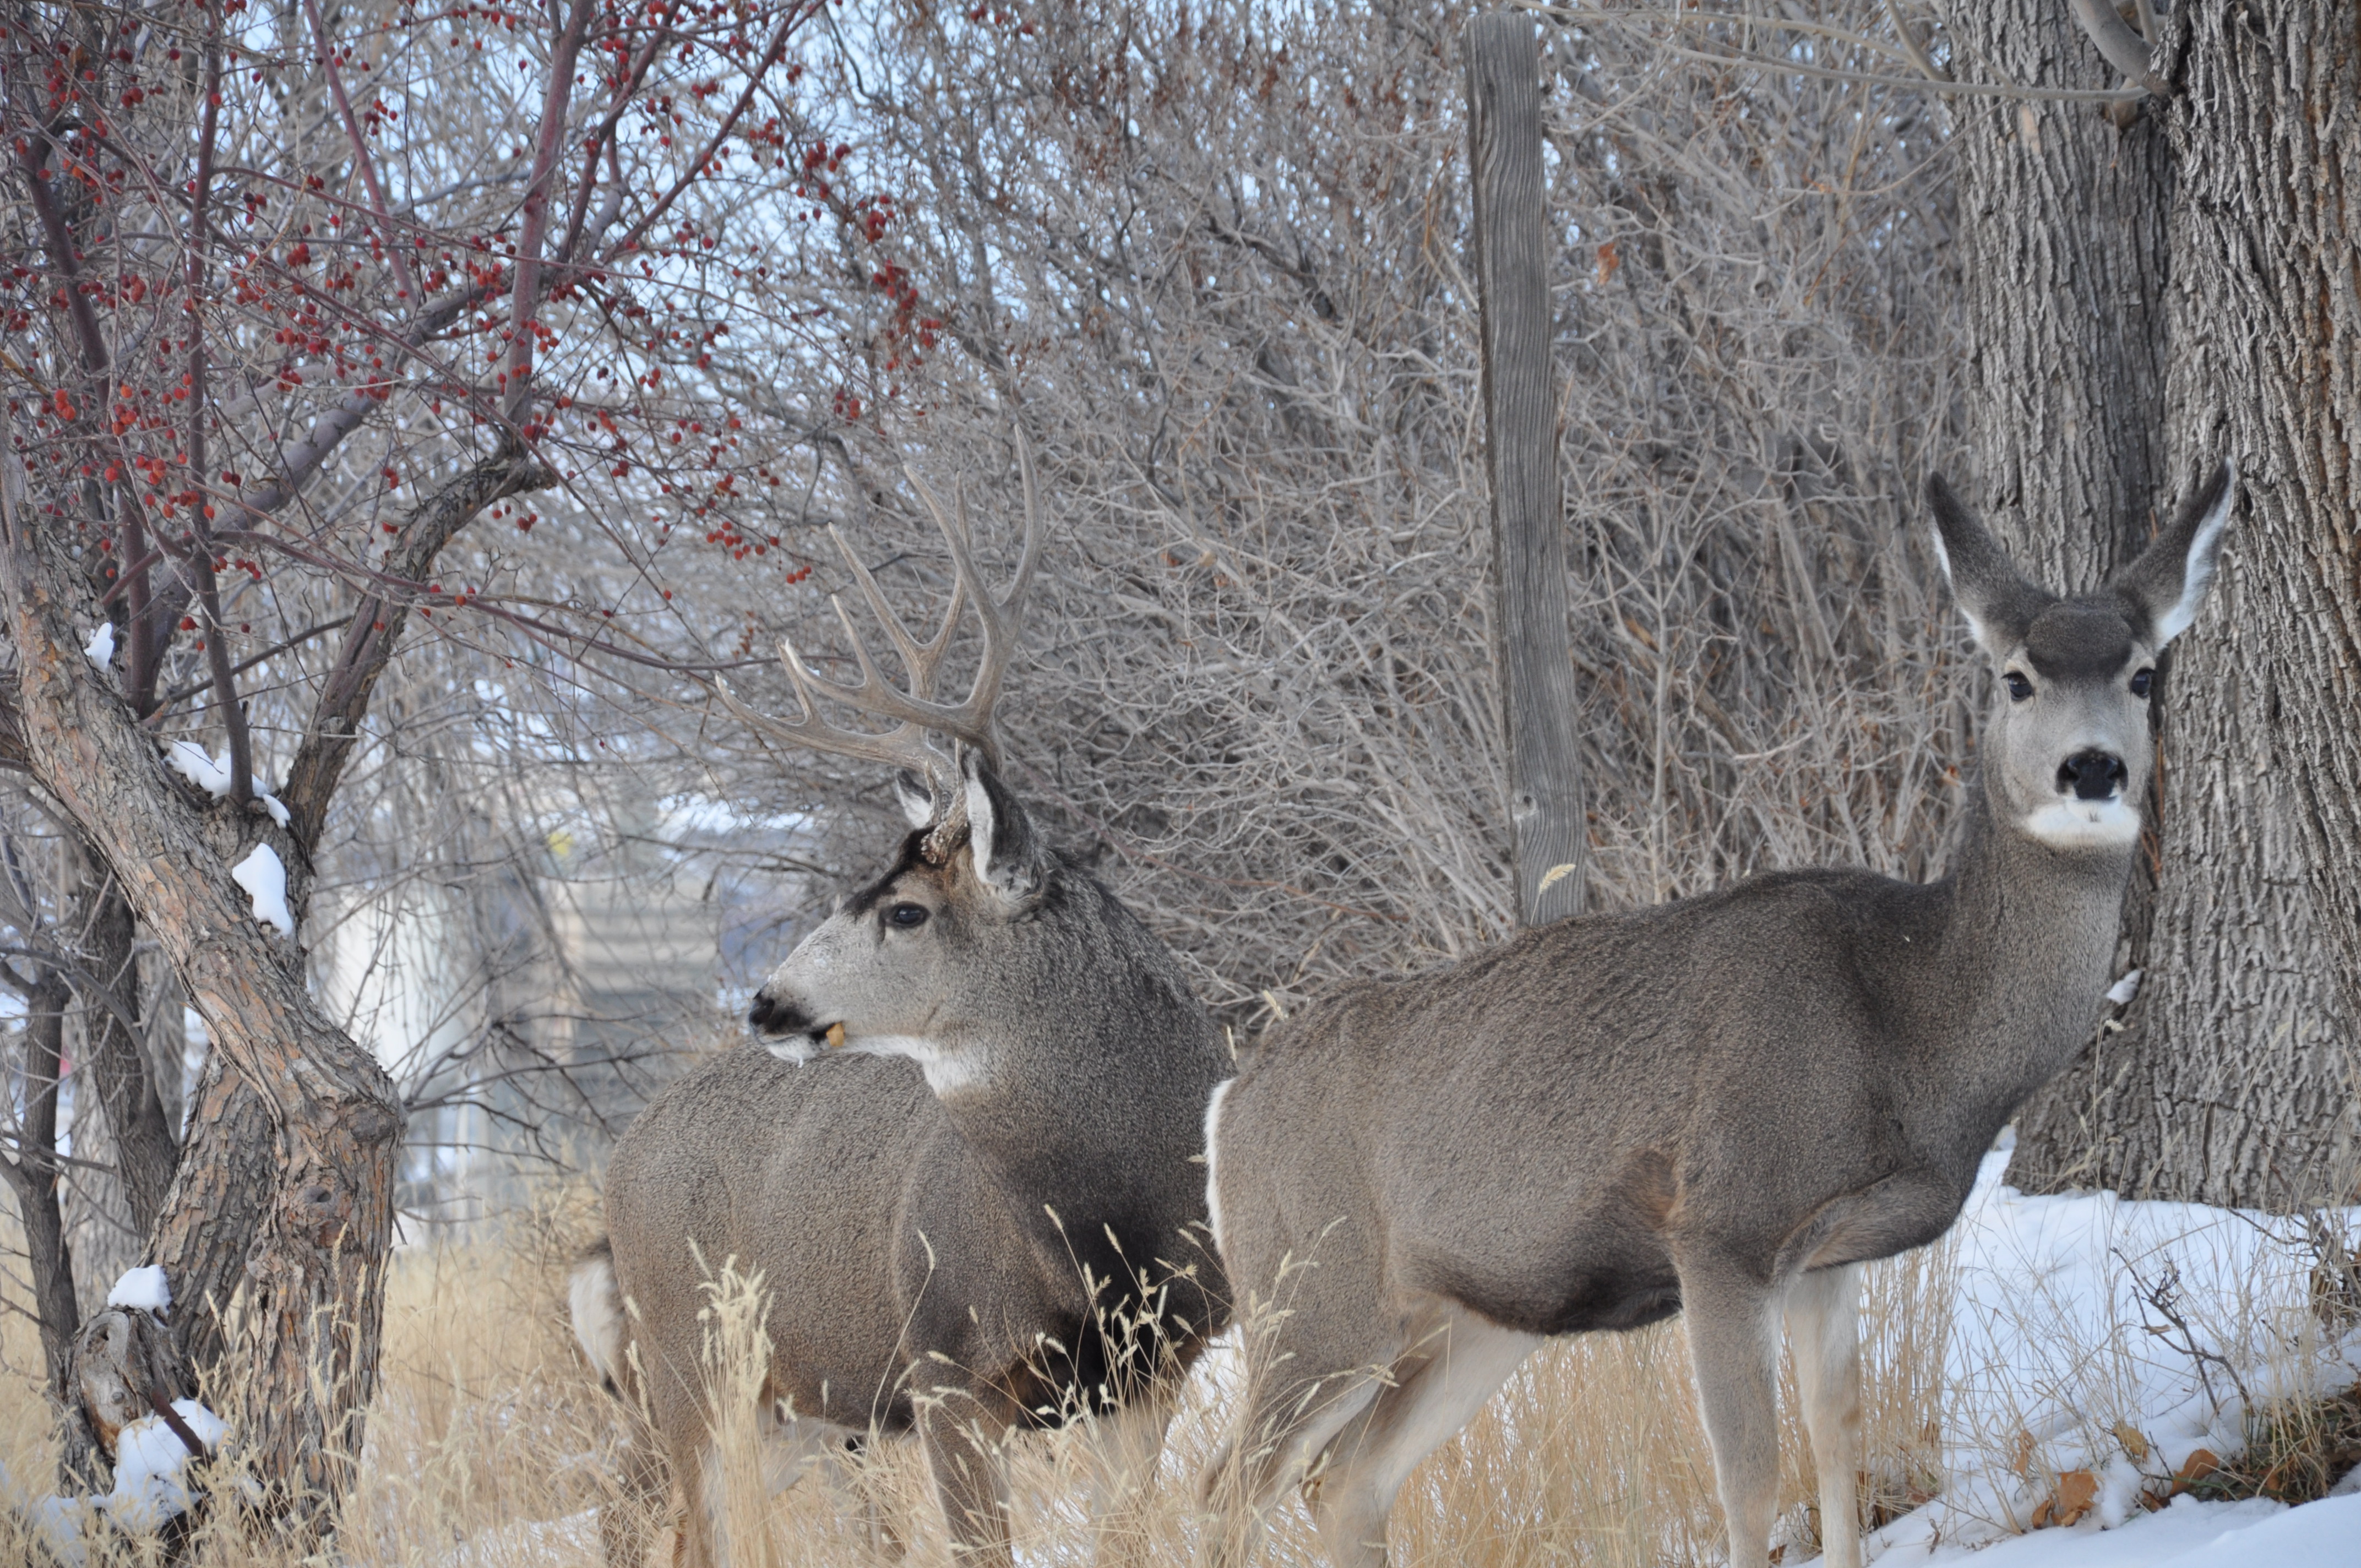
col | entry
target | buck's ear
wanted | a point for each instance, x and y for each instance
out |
(1993, 594)
(1009, 859)
(917, 798)
(2165, 585)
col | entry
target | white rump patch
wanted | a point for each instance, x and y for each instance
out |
(2085, 824)
(1213, 1176)
(2198, 573)
(595, 1303)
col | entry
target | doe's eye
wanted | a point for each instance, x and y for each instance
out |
(2019, 688)
(906, 916)
(2141, 681)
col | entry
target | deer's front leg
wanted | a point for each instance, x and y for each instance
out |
(1733, 1343)
(962, 1439)
(1824, 1332)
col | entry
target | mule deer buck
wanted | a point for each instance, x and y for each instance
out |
(1718, 1106)
(964, 1154)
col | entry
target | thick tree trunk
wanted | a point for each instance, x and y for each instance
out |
(2265, 748)
(296, 1127)
(2070, 259)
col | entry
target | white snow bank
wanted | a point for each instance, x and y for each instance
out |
(2256, 1533)
(150, 1461)
(262, 875)
(100, 649)
(142, 1288)
(2092, 1333)
(569, 1541)
(151, 1466)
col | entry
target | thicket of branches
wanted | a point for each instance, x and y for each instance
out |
(571, 328)
(1221, 256)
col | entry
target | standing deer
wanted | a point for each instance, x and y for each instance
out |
(964, 1156)
(1722, 1105)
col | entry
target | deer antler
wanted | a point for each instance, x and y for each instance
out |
(916, 711)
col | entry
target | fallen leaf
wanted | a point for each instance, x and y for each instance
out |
(2134, 1443)
(2078, 1492)
(2195, 1468)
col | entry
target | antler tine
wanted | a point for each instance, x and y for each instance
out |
(919, 661)
(1001, 618)
(904, 746)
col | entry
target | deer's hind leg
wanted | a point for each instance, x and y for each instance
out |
(1439, 1386)
(1124, 1444)
(1824, 1332)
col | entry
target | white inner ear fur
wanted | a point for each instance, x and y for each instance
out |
(917, 807)
(980, 826)
(1943, 559)
(2197, 572)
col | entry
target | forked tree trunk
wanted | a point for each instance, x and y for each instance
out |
(296, 1127)
(2209, 1085)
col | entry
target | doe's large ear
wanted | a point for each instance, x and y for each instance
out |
(1993, 594)
(1009, 858)
(2165, 585)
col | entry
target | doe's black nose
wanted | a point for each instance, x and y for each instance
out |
(2092, 774)
(764, 1011)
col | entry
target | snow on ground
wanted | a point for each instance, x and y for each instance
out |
(2091, 1333)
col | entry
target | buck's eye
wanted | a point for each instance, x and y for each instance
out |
(2141, 680)
(906, 916)
(2019, 688)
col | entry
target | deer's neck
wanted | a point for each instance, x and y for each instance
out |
(1099, 1133)
(2025, 949)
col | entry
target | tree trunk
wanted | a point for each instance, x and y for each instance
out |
(292, 1113)
(2265, 753)
(2071, 259)
(145, 1150)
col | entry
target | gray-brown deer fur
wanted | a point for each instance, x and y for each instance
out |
(1718, 1106)
(984, 1211)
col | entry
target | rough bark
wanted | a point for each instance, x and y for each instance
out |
(145, 1152)
(299, 1352)
(2265, 749)
(2073, 254)
(33, 1176)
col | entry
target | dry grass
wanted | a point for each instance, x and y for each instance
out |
(489, 1445)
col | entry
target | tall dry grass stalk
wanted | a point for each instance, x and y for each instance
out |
(489, 1445)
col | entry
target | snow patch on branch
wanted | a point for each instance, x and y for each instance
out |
(145, 1289)
(211, 775)
(263, 876)
(100, 649)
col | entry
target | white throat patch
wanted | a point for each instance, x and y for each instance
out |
(2085, 824)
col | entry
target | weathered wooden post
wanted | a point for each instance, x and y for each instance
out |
(1532, 649)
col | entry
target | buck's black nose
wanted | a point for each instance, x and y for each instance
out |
(770, 1016)
(2091, 775)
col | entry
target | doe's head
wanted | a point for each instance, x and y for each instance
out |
(2068, 753)
(916, 963)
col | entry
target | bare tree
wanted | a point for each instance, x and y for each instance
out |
(294, 300)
